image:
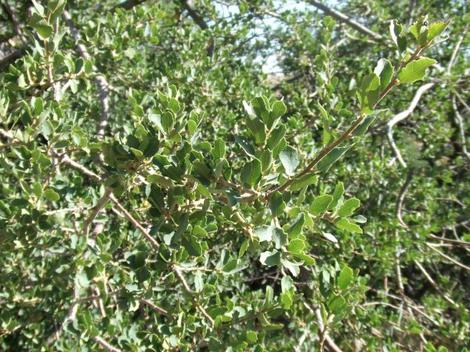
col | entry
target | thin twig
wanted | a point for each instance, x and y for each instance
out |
(188, 289)
(455, 51)
(460, 125)
(70, 316)
(457, 242)
(106, 345)
(154, 307)
(321, 326)
(456, 262)
(346, 19)
(96, 209)
(433, 283)
(401, 198)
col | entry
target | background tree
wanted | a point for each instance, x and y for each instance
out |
(234, 175)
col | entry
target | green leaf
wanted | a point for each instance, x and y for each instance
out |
(337, 305)
(347, 225)
(251, 336)
(291, 266)
(264, 233)
(337, 195)
(251, 173)
(174, 105)
(167, 120)
(435, 29)
(320, 204)
(385, 71)
(287, 299)
(258, 130)
(370, 82)
(270, 258)
(296, 228)
(325, 164)
(51, 195)
(302, 182)
(276, 136)
(364, 126)
(192, 245)
(287, 284)
(415, 70)
(308, 260)
(290, 160)
(296, 246)
(219, 149)
(279, 238)
(266, 159)
(276, 203)
(414, 29)
(278, 109)
(43, 29)
(345, 277)
(348, 207)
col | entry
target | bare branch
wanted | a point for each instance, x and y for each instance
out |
(70, 316)
(186, 287)
(460, 124)
(321, 326)
(403, 115)
(401, 199)
(454, 52)
(456, 242)
(433, 283)
(452, 260)
(103, 343)
(11, 57)
(346, 19)
(96, 209)
(154, 307)
(197, 18)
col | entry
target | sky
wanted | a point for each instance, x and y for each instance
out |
(271, 63)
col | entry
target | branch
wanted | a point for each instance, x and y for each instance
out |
(186, 287)
(460, 124)
(321, 326)
(345, 19)
(456, 262)
(66, 160)
(129, 4)
(154, 307)
(10, 58)
(401, 199)
(456, 242)
(103, 343)
(100, 80)
(197, 18)
(454, 52)
(403, 115)
(433, 283)
(96, 209)
(11, 14)
(72, 312)
(347, 134)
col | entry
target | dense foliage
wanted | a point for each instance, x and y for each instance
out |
(234, 175)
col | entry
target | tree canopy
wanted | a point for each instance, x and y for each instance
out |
(208, 175)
